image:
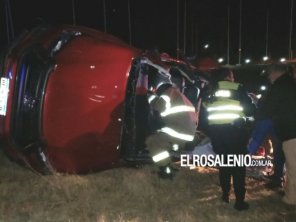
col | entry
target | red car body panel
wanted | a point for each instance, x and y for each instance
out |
(83, 100)
(94, 91)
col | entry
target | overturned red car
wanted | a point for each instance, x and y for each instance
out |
(67, 99)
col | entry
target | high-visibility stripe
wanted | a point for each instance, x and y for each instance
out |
(151, 98)
(173, 133)
(225, 108)
(223, 93)
(177, 109)
(160, 156)
(223, 116)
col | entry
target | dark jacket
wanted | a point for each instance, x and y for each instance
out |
(279, 104)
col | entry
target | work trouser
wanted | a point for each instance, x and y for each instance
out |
(238, 174)
(229, 139)
(157, 143)
(279, 160)
(262, 130)
(289, 148)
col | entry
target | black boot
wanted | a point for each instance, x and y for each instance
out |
(166, 172)
(241, 205)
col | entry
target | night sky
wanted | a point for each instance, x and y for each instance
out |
(154, 23)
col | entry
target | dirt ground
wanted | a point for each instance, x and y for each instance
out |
(129, 194)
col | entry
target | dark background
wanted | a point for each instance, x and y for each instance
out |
(154, 23)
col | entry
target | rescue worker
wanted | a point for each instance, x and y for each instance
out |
(226, 113)
(174, 123)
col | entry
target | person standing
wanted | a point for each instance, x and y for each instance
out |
(226, 126)
(279, 105)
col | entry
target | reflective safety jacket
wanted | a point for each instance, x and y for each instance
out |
(177, 113)
(225, 107)
(179, 123)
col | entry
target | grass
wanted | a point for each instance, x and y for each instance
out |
(128, 194)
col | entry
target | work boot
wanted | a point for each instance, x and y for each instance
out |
(241, 205)
(166, 172)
